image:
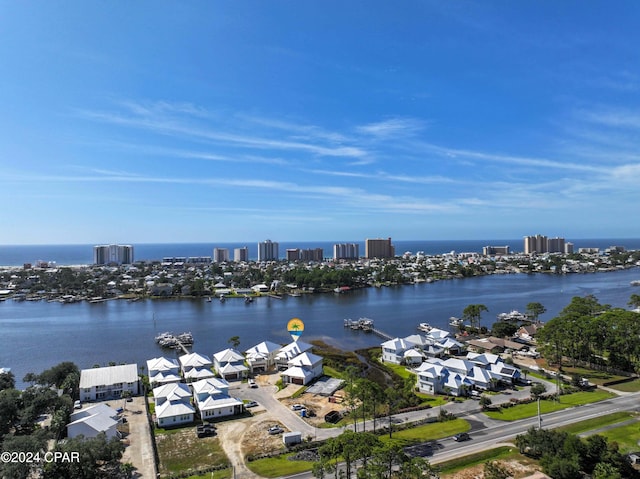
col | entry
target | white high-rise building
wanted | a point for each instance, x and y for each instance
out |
(113, 254)
(220, 255)
(346, 251)
(241, 254)
(268, 251)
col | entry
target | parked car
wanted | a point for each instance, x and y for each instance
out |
(252, 383)
(77, 405)
(297, 407)
(275, 430)
(463, 436)
(204, 430)
(251, 404)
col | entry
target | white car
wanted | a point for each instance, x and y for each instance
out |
(77, 405)
(252, 383)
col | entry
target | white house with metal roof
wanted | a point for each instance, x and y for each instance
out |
(111, 382)
(229, 364)
(303, 369)
(290, 351)
(173, 405)
(195, 366)
(93, 420)
(261, 357)
(162, 371)
(211, 396)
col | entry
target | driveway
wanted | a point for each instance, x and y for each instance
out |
(139, 450)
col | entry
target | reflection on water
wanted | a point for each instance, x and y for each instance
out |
(37, 335)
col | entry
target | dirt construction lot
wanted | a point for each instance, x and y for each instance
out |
(250, 436)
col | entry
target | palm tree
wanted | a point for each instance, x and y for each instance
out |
(472, 314)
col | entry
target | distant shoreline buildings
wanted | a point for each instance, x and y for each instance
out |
(113, 254)
(540, 244)
(379, 248)
(375, 248)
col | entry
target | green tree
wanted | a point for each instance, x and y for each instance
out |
(534, 310)
(34, 443)
(634, 300)
(10, 407)
(537, 390)
(98, 458)
(234, 341)
(485, 402)
(496, 470)
(473, 313)
(7, 380)
(605, 470)
(503, 329)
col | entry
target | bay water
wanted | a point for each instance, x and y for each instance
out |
(37, 335)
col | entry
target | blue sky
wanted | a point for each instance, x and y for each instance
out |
(139, 122)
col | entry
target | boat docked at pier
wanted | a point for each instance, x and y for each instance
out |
(169, 340)
(456, 322)
(513, 316)
(424, 327)
(364, 324)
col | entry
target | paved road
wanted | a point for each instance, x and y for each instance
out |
(487, 434)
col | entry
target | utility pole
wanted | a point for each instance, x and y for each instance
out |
(539, 416)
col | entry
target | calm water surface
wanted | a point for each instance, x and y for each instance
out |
(37, 335)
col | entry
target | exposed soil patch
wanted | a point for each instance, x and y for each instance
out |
(517, 470)
(256, 439)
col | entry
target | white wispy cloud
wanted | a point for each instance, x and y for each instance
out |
(418, 179)
(143, 118)
(392, 128)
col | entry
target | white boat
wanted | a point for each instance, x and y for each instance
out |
(635, 282)
(513, 316)
(457, 322)
(426, 327)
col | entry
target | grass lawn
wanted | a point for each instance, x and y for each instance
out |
(626, 436)
(332, 372)
(181, 450)
(628, 387)
(522, 411)
(427, 432)
(279, 466)
(222, 474)
(433, 401)
(499, 453)
(595, 377)
(399, 369)
(597, 422)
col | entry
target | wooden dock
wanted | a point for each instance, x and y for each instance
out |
(366, 325)
(382, 334)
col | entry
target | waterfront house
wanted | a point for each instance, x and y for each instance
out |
(229, 364)
(457, 376)
(451, 346)
(393, 351)
(427, 346)
(430, 378)
(195, 366)
(212, 399)
(162, 371)
(261, 357)
(94, 420)
(173, 405)
(528, 333)
(434, 378)
(303, 369)
(111, 382)
(290, 351)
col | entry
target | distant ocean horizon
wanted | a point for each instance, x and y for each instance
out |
(81, 254)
